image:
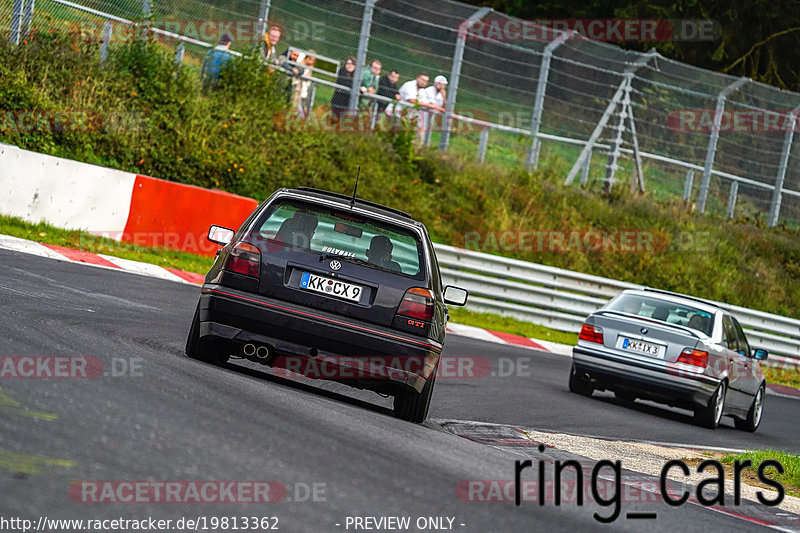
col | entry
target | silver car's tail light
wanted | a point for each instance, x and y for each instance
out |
(690, 356)
(591, 334)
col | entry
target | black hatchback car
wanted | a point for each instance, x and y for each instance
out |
(331, 287)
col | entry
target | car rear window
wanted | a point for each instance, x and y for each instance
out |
(663, 310)
(328, 231)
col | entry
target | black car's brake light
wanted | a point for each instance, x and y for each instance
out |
(690, 356)
(417, 303)
(244, 259)
(591, 333)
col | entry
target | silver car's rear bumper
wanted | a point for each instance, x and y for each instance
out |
(653, 381)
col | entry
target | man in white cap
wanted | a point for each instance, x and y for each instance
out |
(433, 98)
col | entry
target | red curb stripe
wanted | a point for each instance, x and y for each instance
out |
(518, 340)
(191, 277)
(80, 256)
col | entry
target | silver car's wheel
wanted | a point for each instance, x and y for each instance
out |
(710, 415)
(755, 413)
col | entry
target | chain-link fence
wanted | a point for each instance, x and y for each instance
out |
(597, 112)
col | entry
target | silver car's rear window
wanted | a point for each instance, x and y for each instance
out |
(663, 310)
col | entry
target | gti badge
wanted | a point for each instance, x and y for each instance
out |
(335, 265)
(644, 331)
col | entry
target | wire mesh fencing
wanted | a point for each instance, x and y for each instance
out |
(593, 111)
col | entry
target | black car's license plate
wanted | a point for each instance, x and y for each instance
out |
(331, 287)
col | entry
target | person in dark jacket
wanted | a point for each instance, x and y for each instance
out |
(387, 86)
(341, 97)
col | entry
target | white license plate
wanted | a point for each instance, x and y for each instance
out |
(331, 287)
(640, 346)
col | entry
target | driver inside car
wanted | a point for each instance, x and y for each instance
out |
(380, 253)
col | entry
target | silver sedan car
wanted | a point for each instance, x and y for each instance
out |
(673, 349)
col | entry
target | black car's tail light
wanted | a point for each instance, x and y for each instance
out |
(244, 259)
(591, 334)
(690, 356)
(417, 303)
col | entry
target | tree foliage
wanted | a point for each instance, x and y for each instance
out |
(759, 39)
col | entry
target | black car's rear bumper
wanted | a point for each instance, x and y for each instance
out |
(295, 330)
(668, 385)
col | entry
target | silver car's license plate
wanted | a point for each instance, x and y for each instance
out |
(331, 287)
(640, 346)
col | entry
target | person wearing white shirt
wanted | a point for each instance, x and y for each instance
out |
(434, 99)
(414, 93)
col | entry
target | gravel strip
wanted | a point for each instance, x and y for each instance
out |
(649, 459)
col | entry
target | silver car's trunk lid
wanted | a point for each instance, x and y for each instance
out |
(643, 338)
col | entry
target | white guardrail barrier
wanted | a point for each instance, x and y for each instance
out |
(562, 299)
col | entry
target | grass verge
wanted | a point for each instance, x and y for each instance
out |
(790, 479)
(510, 325)
(782, 376)
(80, 240)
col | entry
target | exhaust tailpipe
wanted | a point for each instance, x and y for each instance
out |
(586, 377)
(262, 352)
(249, 350)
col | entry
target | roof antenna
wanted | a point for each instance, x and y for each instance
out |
(353, 200)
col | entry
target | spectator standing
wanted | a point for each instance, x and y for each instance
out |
(409, 93)
(387, 86)
(341, 97)
(370, 77)
(301, 97)
(433, 98)
(288, 64)
(214, 61)
(271, 38)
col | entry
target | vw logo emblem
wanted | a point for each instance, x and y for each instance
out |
(644, 331)
(335, 265)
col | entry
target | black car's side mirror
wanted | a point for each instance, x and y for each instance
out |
(760, 354)
(455, 295)
(220, 235)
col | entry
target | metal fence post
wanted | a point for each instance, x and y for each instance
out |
(775, 206)
(16, 21)
(27, 19)
(263, 15)
(585, 172)
(179, 53)
(430, 119)
(532, 158)
(482, 144)
(455, 74)
(613, 153)
(587, 149)
(108, 30)
(732, 198)
(712, 141)
(687, 186)
(638, 182)
(363, 41)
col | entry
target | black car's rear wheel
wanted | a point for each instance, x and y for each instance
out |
(753, 419)
(578, 385)
(413, 406)
(710, 415)
(206, 350)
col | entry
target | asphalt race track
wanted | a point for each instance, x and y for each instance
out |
(158, 416)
